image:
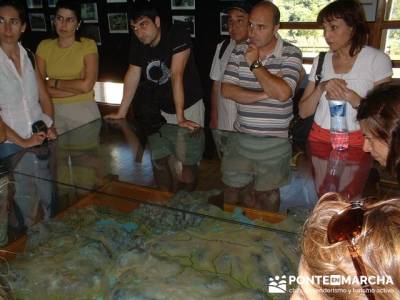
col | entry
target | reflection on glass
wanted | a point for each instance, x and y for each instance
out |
(344, 172)
(176, 153)
(25, 200)
(310, 41)
(252, 173)
(253, 169)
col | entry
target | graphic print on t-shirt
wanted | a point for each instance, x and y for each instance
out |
(158, 72)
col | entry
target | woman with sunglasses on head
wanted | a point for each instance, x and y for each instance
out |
(355, 240)
(349, 70)
(70, 65)
(379, 117)
(23, 96)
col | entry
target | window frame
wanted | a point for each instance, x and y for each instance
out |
(376, 29)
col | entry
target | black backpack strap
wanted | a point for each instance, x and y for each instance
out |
(224, 45)
(31, 56)
(318, 76)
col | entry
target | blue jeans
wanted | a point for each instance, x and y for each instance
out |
(7, 149)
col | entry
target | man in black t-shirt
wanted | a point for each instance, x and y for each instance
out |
(164, 59)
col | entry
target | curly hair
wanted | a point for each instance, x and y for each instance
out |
(379, 246)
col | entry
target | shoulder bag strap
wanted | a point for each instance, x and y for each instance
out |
(224, 45)
(318, 76)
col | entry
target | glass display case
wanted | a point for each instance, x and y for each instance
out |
(108, 211)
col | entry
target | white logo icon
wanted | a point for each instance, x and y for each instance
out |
(277, 285)
(336, 280)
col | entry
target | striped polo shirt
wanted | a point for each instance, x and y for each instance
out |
(269, 116)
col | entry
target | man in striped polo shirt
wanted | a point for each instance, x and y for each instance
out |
(262, 75)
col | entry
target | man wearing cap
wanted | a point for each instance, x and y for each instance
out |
(262, 75)
(223, 111)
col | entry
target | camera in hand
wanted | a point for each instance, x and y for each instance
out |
(42, 153)
(39, 126)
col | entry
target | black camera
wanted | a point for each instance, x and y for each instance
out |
(42, 152)
(39, 126)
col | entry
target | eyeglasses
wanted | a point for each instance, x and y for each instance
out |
(12, 21)
(346, 225)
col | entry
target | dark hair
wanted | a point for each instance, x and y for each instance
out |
(352, 13)
(275, 10)
(75, 7)
(142, 8)
(380, 113)
(18, 6)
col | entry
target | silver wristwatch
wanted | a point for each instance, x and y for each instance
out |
(256, 64)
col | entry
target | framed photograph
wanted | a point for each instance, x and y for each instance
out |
(116, 1)
(369, 9)
(223, 23)
(37, 22)
(91, 31)
(189, 22)
(183, 4)
(118, 22)
(52, 23)
(34, 3)
(52, 3)
(89, 12)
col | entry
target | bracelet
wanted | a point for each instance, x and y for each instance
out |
(56, 83)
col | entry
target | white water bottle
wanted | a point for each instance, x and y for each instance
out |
(338, 129)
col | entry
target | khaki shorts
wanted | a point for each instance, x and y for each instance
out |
(265, 161)
(72, 115)
(177, 141)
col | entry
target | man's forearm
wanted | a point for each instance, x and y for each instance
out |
(273, 85)
(179, 96)
(131, 82)
(241, 95)
(13, 137)
(214, 98)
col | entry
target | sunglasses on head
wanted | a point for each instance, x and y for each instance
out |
(346, 225)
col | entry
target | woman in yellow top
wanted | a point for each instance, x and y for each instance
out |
(70, 65)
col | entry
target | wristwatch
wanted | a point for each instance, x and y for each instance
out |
(256, 65)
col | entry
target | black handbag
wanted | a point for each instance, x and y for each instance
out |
(300, 128)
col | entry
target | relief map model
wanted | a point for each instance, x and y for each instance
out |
(152, 253)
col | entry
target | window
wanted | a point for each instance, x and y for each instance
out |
(300, 10)
(310, 41)
(298, 26)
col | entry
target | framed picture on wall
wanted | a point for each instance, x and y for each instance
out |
(189, 22)
(52, 3)
(52, 23)
(118, 22)
(223, 23)
(369, 9)
(37, 22)
(183, 4)
(89, 12)
(91, 31)
(34, 3)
